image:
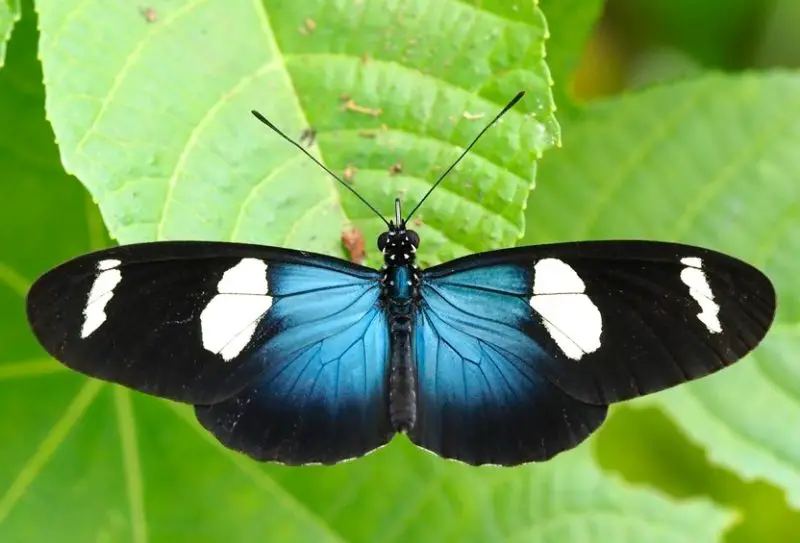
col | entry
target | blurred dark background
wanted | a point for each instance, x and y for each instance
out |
(639, 43)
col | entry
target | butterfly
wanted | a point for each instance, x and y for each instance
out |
(503, 357)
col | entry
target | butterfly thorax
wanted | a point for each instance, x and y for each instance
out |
(400, 279)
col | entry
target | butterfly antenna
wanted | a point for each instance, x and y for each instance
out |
(511, 104)
(277, 130)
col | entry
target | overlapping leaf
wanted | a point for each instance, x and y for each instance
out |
(711, 162)
(9, 15)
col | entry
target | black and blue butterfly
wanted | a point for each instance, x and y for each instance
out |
(503, 357)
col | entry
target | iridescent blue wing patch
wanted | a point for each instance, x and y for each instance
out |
(481, 396)
(321, 396)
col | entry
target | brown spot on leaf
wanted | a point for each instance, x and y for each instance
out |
(150, 15)
(349, 173)
(353, 242)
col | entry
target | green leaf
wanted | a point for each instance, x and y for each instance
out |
(87, 461)
(9, 15)
(711, 162)
(156, 123)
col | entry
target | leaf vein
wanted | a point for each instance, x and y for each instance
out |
(635, 157)
(725, 175)
(269, 33)
(48, 446)
(259, 478)
(129, 62)
(131, 464)
(255, 188)
(194, 135)
(14, 280)
(33, 367)
(307, 213)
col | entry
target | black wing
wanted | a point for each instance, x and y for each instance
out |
(520, 350)
(284, 352)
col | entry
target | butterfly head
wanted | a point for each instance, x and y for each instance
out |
(398, 244)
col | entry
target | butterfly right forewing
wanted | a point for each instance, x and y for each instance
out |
(567, 329)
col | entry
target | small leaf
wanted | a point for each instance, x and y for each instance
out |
(156, 124)
(9, 14)
(711, 162)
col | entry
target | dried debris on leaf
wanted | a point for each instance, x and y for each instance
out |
(353, 242)
(473, 116)
(350, 105)
(150, 14)
(308, 136)
(349, 173)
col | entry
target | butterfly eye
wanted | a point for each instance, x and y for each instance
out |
(413, 237)
(383, 239)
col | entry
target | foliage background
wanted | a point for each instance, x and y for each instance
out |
(678, 120)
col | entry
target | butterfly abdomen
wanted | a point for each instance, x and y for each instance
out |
(401, 291)
(402, 376)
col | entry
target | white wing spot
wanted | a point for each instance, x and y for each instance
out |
(94, 314)
(695, 278)
(230, 319)
(568, 314)
(108, 264)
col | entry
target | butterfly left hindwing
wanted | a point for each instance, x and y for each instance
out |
(295, 344)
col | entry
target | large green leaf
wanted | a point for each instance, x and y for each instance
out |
(85, 461)
(711, 162)
(9, 14)
(156, 122)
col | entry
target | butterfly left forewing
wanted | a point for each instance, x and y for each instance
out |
(178, 319)
(284, 352)
(135, 315)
